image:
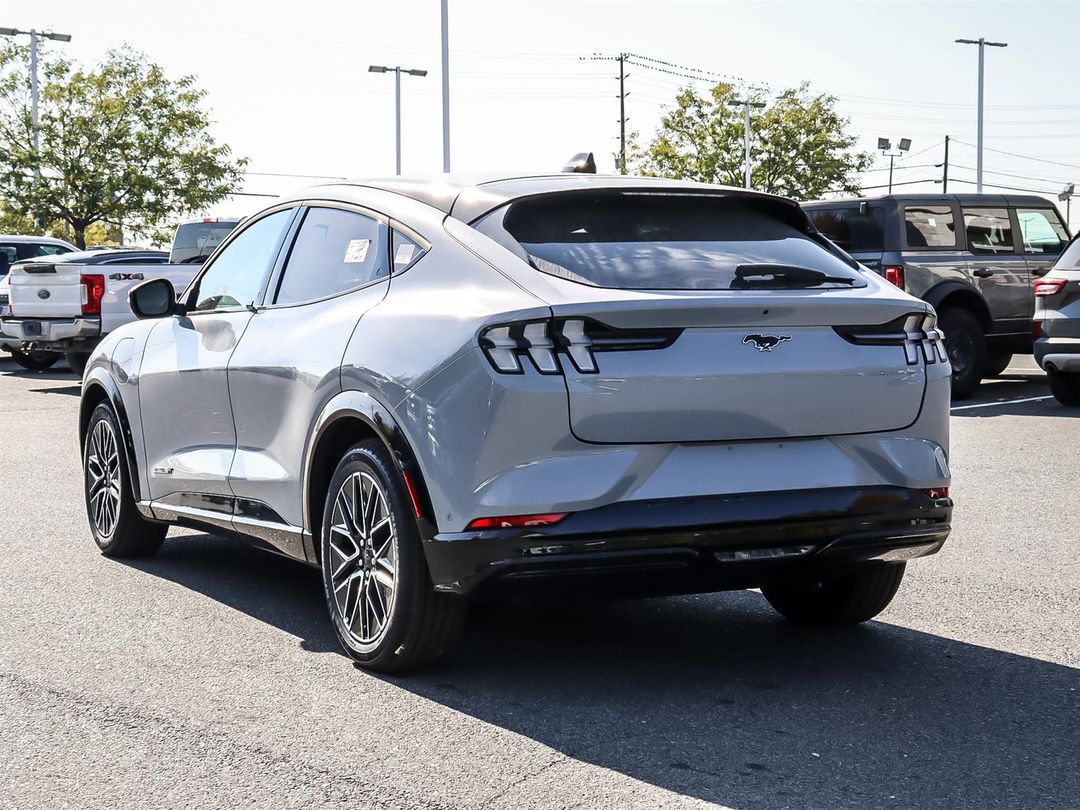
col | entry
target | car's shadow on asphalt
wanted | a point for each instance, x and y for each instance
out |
(716, 698)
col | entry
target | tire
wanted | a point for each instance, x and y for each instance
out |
(35, 361)
(116, 524)
(77, 361)
(996, 363)
(839, 598)
(1065, 387)
(381, 601)
(965, 343)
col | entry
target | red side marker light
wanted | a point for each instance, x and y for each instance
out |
(515, 521)
(409, 485)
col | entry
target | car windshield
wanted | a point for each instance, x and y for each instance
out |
(665, 241)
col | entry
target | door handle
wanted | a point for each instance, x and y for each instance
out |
(983, 272)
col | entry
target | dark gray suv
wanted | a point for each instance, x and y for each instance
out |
(974, 257)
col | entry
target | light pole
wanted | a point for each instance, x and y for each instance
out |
(445, 87)
(1066, 196)
(34, 134)
(982, 43)
(884, 144)
(746, 104)
(397, 70)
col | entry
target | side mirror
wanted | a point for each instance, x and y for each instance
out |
(155, 298)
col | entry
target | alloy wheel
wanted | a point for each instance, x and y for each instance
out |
(363, 558)
(103, 479)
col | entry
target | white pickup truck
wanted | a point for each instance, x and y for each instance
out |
(67, 303)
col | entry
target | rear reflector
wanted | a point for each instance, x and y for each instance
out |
(1049, 286)
(1036, 330)
(516, 521)
(937, 492)
(894, 274)
(92, 293)
(413, 496)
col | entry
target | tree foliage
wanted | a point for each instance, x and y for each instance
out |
(122, 144)
(799, 146)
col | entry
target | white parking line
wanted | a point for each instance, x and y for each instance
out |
(1005, 402)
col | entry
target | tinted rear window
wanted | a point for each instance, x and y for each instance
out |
(851, 229)
(662, 241)
(194, 239)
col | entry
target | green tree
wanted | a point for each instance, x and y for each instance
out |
(122, 144)
(799, 144)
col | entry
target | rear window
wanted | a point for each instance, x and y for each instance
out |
(664, 241)
(195, 240)
(851, 229)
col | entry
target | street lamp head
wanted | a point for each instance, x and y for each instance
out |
(9, 32)
(378, 69)
(416, 72)
(884, 144)
(58, 37)
(905, 144)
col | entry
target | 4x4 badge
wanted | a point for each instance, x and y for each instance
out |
(766, 343)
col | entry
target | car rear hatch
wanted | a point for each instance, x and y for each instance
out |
(45, 289)
(763, 332)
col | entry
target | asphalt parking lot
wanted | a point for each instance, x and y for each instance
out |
(209, 675)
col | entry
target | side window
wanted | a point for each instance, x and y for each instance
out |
(8, 254)
(406, 252)
(49, 250)
(335, 251)
(236, 277)
(988, 230)
(929, 226)
(1041, 231)
(850, 229)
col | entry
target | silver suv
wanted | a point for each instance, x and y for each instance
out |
(972, 256)
(432, 389)
(1057, 325)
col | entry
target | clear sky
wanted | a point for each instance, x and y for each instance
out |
(289, 88)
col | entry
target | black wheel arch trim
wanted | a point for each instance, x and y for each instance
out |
(939, 292)
(362, 406)
(100, 379)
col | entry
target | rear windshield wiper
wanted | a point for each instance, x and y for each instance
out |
(783, 275)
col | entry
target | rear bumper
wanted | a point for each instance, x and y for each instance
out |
(1061, 354)
(49, 330)
(699, 544)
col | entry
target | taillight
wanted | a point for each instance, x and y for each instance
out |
(937, 492)
(578, 339)
(894, 274)
(93, 290)
(914, 331)
(1048, 286)
(515, 521)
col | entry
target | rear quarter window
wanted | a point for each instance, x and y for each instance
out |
(661, 240)
(929, 226)
(851, 229)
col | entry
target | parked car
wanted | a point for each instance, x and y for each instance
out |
(13, 249)
(196, 239)
(972, 256)
(432, 389)
(1057, 325)
(66, 303)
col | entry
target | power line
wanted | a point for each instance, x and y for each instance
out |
(1024, 157)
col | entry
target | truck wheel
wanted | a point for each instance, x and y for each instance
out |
(996, 363)
(77, 361)
(1065, 387)
(34, 361)
(838, 598)
(965, 344)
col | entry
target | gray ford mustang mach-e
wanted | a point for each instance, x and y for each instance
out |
(435, 388)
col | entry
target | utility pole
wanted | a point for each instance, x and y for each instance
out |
(746, 104)
(622, 113)
(35, 134)
(945, 169)
(397, 70)
(622, 59)
(445, 87)
(983, 44)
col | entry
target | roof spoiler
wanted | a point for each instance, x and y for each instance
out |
(581, 163)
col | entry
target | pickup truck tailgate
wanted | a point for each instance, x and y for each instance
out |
(46, 290)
